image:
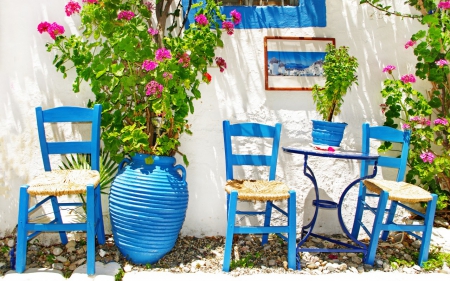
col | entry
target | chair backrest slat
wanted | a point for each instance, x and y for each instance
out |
(251, 130)
(384, 133)
(70, 114)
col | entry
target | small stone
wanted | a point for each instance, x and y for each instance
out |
(312, 266)
(2, 264)
(356, 259)
(71, 249)
(272, 262)
(379, 263)
(61, 259)
(57, 251)
(102, 253)
(71, 244)
(11, 243)
(360, 269)
(58, 266)
(80, 261)
(407, 257)
(80, 251)
(416, 244)
(128, 267)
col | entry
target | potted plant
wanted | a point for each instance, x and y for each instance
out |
(145, 70)
(339, 69)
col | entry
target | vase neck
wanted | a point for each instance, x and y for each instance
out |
(139, 158)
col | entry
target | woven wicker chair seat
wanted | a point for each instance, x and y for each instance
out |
(63, 182)
(399, 191)
(260, 190)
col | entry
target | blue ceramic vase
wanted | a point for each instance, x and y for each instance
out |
(147, 205)
(327, 133)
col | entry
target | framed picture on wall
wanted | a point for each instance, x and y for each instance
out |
(294, 63)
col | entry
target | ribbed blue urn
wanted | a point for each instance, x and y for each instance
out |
(147, 205)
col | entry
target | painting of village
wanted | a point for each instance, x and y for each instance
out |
(295, 63)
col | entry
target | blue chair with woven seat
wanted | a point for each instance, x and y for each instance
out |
(258, 190)
(53, 183)
(397, 193)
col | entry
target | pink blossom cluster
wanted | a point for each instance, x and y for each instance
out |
(408, 78)
(427, 157)
(149, 65)
(72, 7)
(236, 17)
(162, 54)
(184, 60)
(440, 121)
(383, 107)
(207, 77)
(201, 19)
(128, 15)
(441, 62)
(228, 26)
(153, 87)
(420, 120)
(150, 6)
(53, 29)
(444, 5)
(221, 63)
(389, 68)
(167, 75)
(406, 126)
(152, 31)
(90, 1)
(410, 43)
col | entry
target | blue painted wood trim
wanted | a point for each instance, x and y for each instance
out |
(309, 13)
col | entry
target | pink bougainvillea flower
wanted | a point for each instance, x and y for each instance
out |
(207, 77)
(149, 65)
(43, 27)
(441, 62)
(184, 60)
(408, 78)
(228, 26)
(383, 107)
(221, 63)
(420, 120)
(410, 43)
(444, 5)
(236, 17)
(90, 1)
(440, 121)
(55, 29)
(405, 126)
(128, 15)
(427, 157)
(389, 68)
(330, 149)
(201, 19)
(153, 87)
(150, 6)
(167, 75)
(162, 54)
(153, 31)
(72, 7)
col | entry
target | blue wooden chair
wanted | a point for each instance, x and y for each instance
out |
(53, 183)
(394, 192)
(266, 191)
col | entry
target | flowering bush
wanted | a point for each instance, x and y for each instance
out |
(145, 75)
(429, 155)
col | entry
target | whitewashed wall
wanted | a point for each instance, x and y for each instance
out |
(28, 79)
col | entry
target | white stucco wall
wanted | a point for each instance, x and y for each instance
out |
(28, 79)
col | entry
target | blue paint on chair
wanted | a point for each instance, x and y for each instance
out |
(309, 13)
(234, 158)
(382, 225)
(94, 220)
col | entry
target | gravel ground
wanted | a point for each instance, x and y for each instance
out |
(205, 254)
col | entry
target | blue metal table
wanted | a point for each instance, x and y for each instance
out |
(307, 230)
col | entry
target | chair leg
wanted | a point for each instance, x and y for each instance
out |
(389, 219)
(377, 228)
(22, 232)
(428, 225)
(58, 217)
(359, 210)
(292, 226)
(90, 232)
(230, 230)
(100, 228)
(267, 218)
